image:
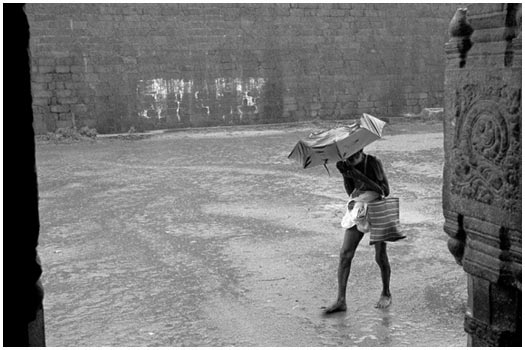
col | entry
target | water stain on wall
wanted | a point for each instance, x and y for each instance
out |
(192, 102)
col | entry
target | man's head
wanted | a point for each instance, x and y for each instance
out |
(356, 158)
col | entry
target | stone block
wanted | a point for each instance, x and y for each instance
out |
(39, 125)
(61, 77)
(42, 94)
(365, 104)
(481, 299)
(65, 123)
(295, 12)
(67, 100)
(91, 77)
(40, 101)
(315, 106)
(64, 61)
(46, 61)
(103, 69)
(337, 13)
(89, 121)
(75, 77)
(86, 92)
(62, 69)
(49, 120)
(38, 86)
(289, 100)
(46, 69)
(65, 117)
(77, 69)
(56, 85)
(290, 107)
(87, 100)
(41, 109)
(79, 108)
(73, 85)
(60, 108)
(63, 93)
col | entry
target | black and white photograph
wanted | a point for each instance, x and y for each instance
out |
(272, 174)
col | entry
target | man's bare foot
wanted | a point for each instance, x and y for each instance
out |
(384, 301)
(337, 307)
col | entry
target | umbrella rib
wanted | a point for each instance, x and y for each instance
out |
(371, 125)
(324, 164)
(374, 127)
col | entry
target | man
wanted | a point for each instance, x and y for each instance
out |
(364, 181)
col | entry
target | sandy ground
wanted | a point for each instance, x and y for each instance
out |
(214, 238)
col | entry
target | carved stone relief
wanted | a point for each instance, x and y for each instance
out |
(486, 157)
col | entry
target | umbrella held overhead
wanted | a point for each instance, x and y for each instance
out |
(337, 143)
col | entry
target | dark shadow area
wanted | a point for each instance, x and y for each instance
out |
(23, 317)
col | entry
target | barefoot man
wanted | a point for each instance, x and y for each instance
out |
(364, 181)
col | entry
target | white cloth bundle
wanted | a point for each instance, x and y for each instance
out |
(357, 211)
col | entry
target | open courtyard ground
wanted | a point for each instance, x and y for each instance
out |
(213, 237)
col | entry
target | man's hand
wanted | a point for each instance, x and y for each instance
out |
(358, 176)
(347, 170)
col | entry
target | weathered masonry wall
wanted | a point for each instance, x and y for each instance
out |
(113, 66)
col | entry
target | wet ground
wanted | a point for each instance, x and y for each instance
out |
(214, 238)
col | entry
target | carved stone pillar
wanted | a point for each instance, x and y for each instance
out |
(482, 173)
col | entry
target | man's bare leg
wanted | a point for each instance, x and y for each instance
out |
(382, 260)
(350, 243)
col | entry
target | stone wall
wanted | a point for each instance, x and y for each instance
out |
(113, 66)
